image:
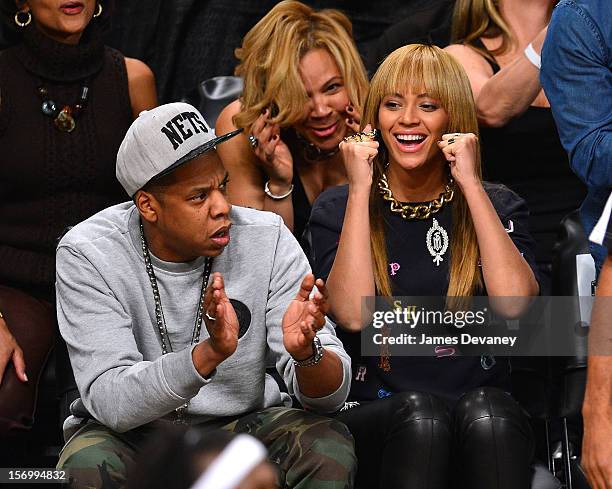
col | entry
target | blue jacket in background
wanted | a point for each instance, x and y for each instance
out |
(577, 78)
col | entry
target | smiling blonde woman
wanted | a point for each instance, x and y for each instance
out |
(417, 220)
(304, 88)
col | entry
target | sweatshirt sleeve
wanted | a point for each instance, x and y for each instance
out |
(289, 268)
(117, 386)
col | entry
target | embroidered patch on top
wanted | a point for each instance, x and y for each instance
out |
(361, 373)
(437, 242)
(349, 405)
(444, 351)
(382, 393)
(487, 362)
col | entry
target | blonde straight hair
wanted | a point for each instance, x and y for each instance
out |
(270, 57)
(420, 68)
(473, 19)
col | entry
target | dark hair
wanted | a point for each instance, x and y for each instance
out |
(8, 9)
(175, 457)
(157, 186)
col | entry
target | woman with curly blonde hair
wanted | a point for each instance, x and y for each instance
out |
(304, 84)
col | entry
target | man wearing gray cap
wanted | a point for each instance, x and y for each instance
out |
(136, 281)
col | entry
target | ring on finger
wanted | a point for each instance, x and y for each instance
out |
(361, 137)
(253, 141)
(353, 138)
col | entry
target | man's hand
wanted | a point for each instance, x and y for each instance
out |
(597, 407)
(304, 317)
(10, 351)
(597, 448)
(223, 329)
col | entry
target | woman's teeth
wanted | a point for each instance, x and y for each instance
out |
(416, 138)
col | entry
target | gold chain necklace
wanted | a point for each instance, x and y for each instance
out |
(416, 211)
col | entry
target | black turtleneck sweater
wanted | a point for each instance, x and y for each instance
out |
(50, 179)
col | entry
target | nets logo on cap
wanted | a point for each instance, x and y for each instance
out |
(183, 126)
(162, 139)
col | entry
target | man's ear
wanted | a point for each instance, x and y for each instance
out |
(148, 205)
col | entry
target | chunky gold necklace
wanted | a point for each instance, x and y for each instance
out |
(416, 211)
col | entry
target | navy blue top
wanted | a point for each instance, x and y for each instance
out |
(413, 273)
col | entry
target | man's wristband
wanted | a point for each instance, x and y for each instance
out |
(534, 58)
(317, 355)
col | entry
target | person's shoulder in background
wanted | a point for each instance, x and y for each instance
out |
(141, 85)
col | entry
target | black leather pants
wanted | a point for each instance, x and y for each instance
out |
(411, 440)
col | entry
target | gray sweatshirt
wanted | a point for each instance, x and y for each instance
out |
(106, 314)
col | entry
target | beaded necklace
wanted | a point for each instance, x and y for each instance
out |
(64, 119)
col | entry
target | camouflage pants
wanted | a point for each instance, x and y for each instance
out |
(311, 452)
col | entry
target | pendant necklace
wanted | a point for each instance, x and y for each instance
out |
(436, 241)
(312, 152)
(436, 238)
(166, 345)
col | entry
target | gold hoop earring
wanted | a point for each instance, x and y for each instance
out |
(23, 23)
(98, 10)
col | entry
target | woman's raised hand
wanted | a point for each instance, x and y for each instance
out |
(460, 150)
(273, 153)
(353, 118)
(358, 157)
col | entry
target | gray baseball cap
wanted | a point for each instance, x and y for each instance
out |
(160, 140)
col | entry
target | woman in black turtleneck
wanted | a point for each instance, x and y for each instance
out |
(66, 101)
